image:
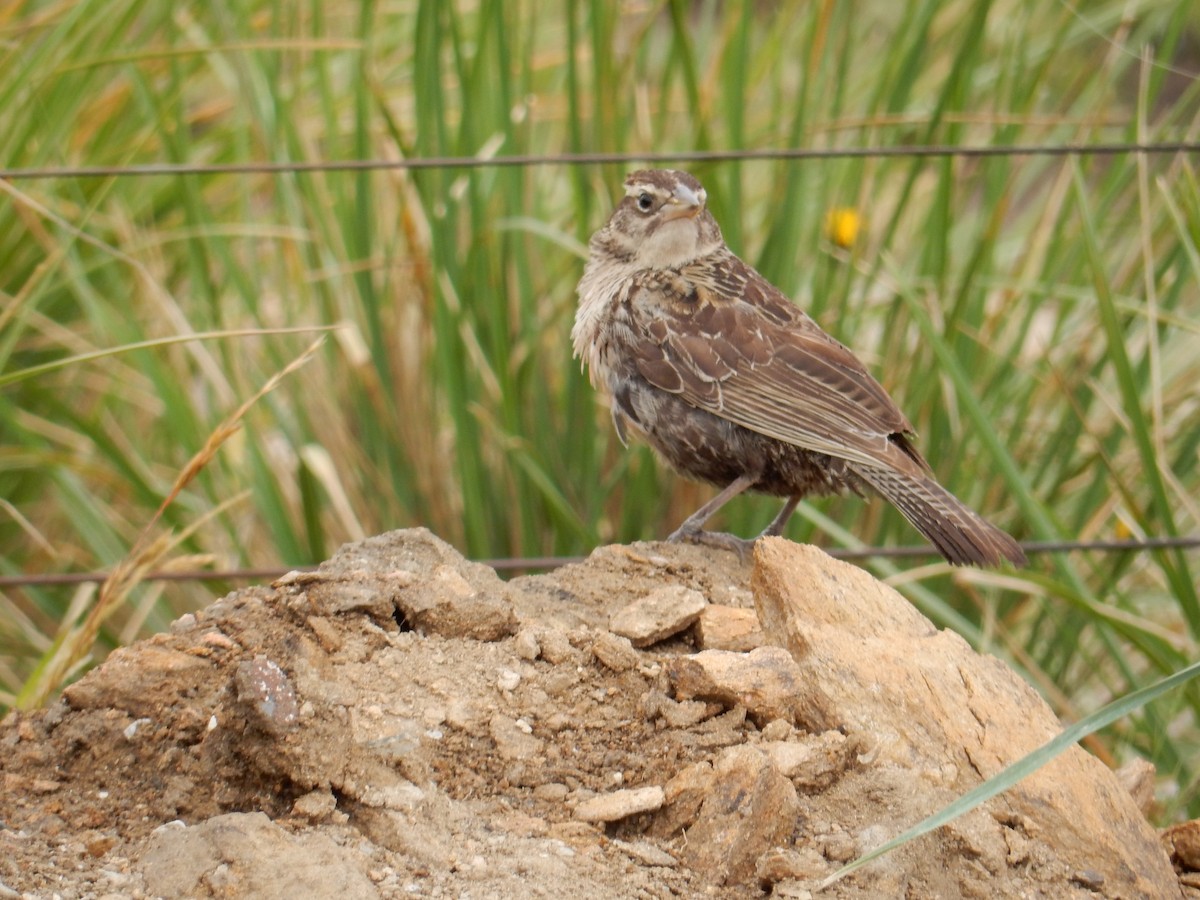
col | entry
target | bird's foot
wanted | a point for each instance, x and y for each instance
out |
(719, 539)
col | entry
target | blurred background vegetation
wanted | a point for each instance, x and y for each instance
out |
(1036, 316)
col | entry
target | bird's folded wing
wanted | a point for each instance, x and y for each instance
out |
(749, 364)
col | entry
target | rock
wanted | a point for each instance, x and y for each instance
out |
(423, 843)
(813, 762)
(677, 714)
(777, 730)
(766, 681)
(397, 794)
(556, 647)
(437, 590)
(508, 680)
(141, 682)
(1092, 881)
(779, 864)
(465, 713)
(99, 844)
(526, 644)
(658, 615)
(315, 805)
(728, 628)
(552, 791)
(683, 796)
(266, 694)
(1183, 843)
(331, 595)
(751, 809)
(512, 740)
(449, 605)
(439, 765)
(943, 717)
(619, 804)
(1137, 777)
(248, 855)
(615, 652)
(328, 635)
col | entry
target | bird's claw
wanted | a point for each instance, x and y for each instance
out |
(717, 539)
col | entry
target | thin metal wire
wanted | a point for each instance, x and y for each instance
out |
(518, 563)
(574, 159)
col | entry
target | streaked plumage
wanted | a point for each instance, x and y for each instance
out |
(734, 385)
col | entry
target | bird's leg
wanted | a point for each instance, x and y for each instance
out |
(776, 527)
(694, 523)
(692, 530)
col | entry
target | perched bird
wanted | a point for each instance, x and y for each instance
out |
(734, 385)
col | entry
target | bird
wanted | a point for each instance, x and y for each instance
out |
(734, 385)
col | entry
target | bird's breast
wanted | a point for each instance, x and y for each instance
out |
(602, 290)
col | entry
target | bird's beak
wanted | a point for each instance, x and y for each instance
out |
(685, 203)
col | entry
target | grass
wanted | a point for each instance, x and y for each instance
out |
(1035, 316)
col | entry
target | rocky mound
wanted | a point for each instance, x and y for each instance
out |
(659, 720)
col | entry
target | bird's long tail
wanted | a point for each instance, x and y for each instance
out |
(958, 533)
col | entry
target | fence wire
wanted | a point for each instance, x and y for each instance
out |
(545, 563)
(576, 159)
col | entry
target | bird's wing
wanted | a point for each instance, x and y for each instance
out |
(727, 341)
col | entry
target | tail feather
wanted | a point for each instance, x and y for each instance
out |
(962, 536)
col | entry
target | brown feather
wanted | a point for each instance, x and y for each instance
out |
(791, 382)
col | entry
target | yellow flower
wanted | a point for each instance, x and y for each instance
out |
(842, 224)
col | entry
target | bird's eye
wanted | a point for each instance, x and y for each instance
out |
(645, 202)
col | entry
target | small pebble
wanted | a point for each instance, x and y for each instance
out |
(777, 730)
(620, 804)
(131, 729)
(526, 645)
(1086, 878)
(551, 792)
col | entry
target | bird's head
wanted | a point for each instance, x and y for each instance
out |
(663, 221)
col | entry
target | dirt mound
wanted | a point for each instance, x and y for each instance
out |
(404, 723)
